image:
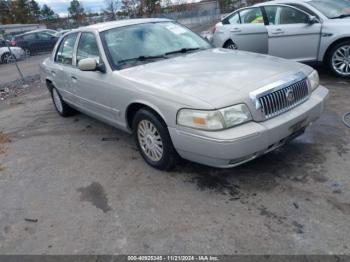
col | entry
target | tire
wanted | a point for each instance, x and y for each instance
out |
(338, 59)
(153, 140)
(7, 58)
(27, 52)
(62, 108)
(230, 45)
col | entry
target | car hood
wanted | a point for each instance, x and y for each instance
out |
(219, 77)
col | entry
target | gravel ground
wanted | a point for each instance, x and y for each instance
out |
(77, 186)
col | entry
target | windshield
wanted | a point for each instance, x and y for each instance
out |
(131, 45)
(332, 8)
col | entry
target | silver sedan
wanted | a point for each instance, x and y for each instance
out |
(179, 96)
(300, 30)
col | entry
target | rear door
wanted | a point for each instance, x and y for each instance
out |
(63, 69)
(247, 30)
(291, 35)
(46, 41)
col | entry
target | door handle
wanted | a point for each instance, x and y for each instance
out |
(53, 73)
(277, 32)
(74, 79)
(235, 30)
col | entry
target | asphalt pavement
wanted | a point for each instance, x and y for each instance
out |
(28, 67)
(78, 186)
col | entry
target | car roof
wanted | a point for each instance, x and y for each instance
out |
(109, 25)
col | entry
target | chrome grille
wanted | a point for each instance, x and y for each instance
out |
(284, 99)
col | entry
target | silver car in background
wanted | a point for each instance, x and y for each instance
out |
(300, 30)
(178, 95)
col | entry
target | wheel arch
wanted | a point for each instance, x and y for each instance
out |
(330, 47)
(228, 41)
(136, 106)
(49, 84)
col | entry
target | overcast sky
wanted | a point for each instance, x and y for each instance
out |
(60, 6)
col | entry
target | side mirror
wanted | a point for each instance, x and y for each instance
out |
(87, 64)
(90, 64)
(312, 20)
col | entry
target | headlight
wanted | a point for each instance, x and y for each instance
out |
(313, 80)
(214, 120)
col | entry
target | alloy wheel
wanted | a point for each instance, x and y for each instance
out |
(341, 60)
(231, 46)
(10, 59)
(150, 140)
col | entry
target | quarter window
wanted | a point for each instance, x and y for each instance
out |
(88, 47)
(234, 19)
(65, 51)
(251, 16)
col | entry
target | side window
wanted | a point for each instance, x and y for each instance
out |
(289, 15)
(87, 47)
(305, 9)
(271, 13)
(66, 49)
(29, 37)
(234, 19)
(251, 16)
(44, 36)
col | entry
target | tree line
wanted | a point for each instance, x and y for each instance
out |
(29, 11)
(24, 12)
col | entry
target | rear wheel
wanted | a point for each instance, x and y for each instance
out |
(27, 52)
(339, 59)
(61, 107)
(153, 140)
(230, 45)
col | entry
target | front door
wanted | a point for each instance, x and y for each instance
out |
(92, 88)
(291, 35)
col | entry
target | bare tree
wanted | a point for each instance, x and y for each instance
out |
(132, 7)
(112, 7)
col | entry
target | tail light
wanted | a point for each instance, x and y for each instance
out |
(213, 29)
(13, 42)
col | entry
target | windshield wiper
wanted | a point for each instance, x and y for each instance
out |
(141, 58)
(182, 50)
(340, 16)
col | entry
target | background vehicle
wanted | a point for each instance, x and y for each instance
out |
(5, 54)
(178, 95)
(301, 30)
(48, 31)
(35, 42)
(62, 32)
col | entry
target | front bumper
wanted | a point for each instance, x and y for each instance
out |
(237, 145)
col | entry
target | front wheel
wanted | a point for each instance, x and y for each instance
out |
(339, 59)
(153, 140)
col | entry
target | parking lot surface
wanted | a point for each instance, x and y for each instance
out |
(77, 186)
(28, 66)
